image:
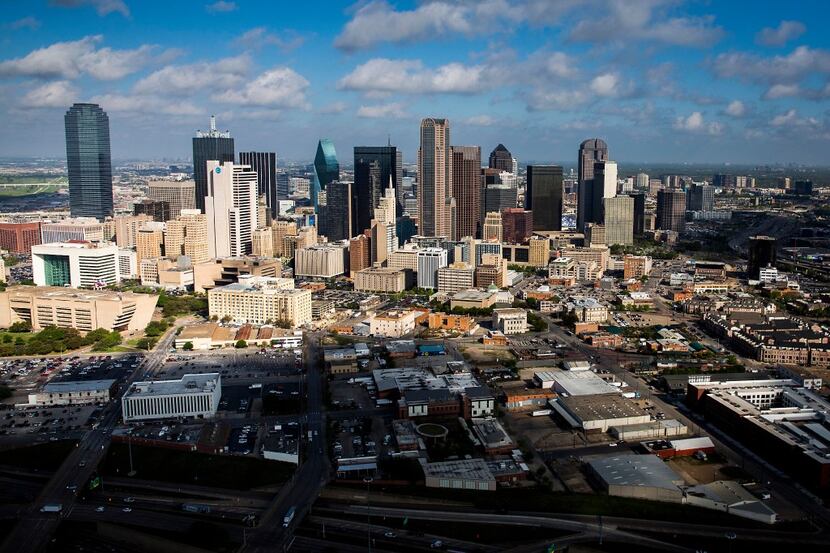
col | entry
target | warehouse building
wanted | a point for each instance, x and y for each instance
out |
(74, 392)
(638, 476)
(191, 396)
(462, 474)
(597, 413)
(574, 383)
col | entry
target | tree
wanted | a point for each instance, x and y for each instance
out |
(188, 346)
(21, 326)
(241, 344)
(146, 343)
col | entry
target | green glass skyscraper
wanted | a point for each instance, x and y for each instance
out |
(88, 161)
(326, 169)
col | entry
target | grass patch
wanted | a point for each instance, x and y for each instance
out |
(187, 467)
(27, 190)
(48, 456)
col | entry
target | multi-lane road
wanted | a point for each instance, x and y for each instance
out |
(34, 529)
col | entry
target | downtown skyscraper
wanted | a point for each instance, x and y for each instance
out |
(374, 166)
(231, 208)
(543, 196)
(211, 145)
(265, 165)
(434, 178)
(88, 161)
(590, 152)
(326, 170)
(466, 190)
(501, 159)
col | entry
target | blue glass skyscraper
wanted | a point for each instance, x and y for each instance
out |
(326, 169)
(88, 161)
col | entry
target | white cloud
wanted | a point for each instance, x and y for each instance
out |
(258, 37)
(561, 65)
(28, 22)
(695, 123)
(392, 110)
(791, 118)
(146, 104)
(777, 91)
(103, 7)
(278, 87)
(779, 36)
(542, 99)
(221, 7)
(56, 94)
(736, 108)
(605, 84)
(68, 60)
(193, 78)
(481, 121)
(410, 76)
(800, 63)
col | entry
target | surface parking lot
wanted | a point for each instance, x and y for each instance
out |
(242, 441)
(249, 364)
(52, 422)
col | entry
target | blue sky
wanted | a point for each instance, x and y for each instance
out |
(659, 80)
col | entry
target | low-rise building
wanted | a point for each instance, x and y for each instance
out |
(474, 299)
(386, 280)
(76, 392)
(191, 396)
(325, 260)
(393, 324)
(261, 300)
(463, 474)
(636, 266)
(459, 323)
(596, 413)
(510, 320)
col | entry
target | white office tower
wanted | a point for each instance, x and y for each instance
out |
(429, 261)
(386, 213)
(231, 208)
(75, 264)
(642, 181)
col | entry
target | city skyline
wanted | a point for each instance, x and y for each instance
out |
(750, 90)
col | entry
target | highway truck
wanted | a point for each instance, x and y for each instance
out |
(51, 508)
(196, 508)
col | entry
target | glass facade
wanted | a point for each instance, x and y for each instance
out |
(211, 145)
(88, 161)
(265, 165)
(56, 268)
(543, 196)
(373, 166)
(326, 169)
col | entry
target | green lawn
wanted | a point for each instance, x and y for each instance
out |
(27, 190)
(222, 471)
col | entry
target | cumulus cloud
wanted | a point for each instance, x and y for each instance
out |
(481, 121)
(541, 99)
(103, 7)
(798, 64)
(56, 94)
(695, 123)
(387, 75)
(736, 108)
(280, 87)
(392, 110)
(68, 60)
(777, 91)
(779, 36)
(256, 38)
(221, 7)
(791, 118)
(605, 84)
(145, 104)
(29, 22)
(190, 79)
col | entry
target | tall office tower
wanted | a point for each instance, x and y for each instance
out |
(671, 210)
(429, 261)
(373, 167)
(784, 183)
(386, 213)
(723, 181)
(517, 224)
(149, 241)
(641, 182)
(279, 230)
(700, 197)
(211, 145)
(639, 213)
(803, 187)
(493, 231)
(405, 228)
(339, 216)
(231, 208)
(283, 186)
(619, 220)
(265, 165)
(594, 235)
(501, 159)
(88, 161)
(262, 242)
(539, 251)
(543, 196)
(326, 169)
(187, 235)
(179, 194)
(602, 186)
(157, 209)
(126, 227)
(434, 178)
(466, 189)
(498, 197)
(762, 252)
(590, 151)
(360, 253)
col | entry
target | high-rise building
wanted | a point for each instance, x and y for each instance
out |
(88, 161)
(501, 159)
(619, 220)
(671, 210)
(283, 186)
(75, 264)
(211, 145)
(594, 235)
(429, 261)
(149, 241)
(434, 178)
(590, 151)
(539, 254)
(339, 216)
(466, 189)
(498, 197)
(326, 260)
(762, 253)
(326, 169)
(265, 165)
(493, 231)
(602, 186)
(517, 224)
(231, 208)
(178, 195)
(543, 196)
(157, 209)
(126, 228)
(279, 230)
(639, 213)
(373, 168)
(260, 300)
(641, 182)
(19, 237)
(723, 181)
(262, 242)
(187, 235)
(360, 255)
(700, 197)
(456, 277)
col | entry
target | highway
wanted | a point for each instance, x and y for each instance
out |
(33, 532)
(310, 477)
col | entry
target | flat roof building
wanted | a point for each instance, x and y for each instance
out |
(75, 264)
(261, 300)
(599, 412)
(191, 396)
